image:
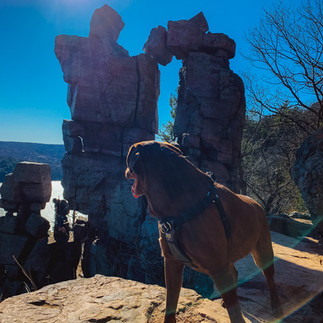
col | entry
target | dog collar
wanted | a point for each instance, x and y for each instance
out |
(210, 198)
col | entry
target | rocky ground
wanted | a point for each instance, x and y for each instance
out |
(299, 275)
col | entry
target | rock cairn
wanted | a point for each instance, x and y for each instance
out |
(211, 102)
(23, 230)
(28, 261)
(307, 173)
(113, 104)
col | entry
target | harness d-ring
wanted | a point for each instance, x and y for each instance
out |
(166, 227)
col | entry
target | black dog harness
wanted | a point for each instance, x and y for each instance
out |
(170, 225)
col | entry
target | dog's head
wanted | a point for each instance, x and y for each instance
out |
(149, 159)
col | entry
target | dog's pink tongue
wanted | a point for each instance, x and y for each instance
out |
(133, 189)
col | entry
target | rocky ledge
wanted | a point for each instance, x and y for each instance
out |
(299, 275)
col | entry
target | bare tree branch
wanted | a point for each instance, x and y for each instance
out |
(288, 44)
(25, 273)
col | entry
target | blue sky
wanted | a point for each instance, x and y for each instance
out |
(32, 91)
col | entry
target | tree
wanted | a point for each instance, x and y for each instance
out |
(268, 150)
(167, 131)
(289, 45)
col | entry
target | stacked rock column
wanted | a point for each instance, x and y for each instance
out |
(210, 105)
(210, 116)
(23, 231)
(211, 102)
(113, 103)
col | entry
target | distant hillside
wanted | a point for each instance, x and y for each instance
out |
(13, 152)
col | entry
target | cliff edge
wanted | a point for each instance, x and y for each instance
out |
(299, 276)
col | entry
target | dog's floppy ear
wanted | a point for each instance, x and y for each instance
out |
(149, 151)
(172, 148)
(139, 152)
(133, 157)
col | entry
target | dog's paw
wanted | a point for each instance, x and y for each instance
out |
(170, 318)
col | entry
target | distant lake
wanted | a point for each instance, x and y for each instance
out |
(48, 212)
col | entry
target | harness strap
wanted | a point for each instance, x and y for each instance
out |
(170, 225)
(210, 198)
(224, 219)
(175, 247)
(195, 210)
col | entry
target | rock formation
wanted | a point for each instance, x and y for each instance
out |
(293, 225)
(30, 183)
(211, 108)
(113, 104)
(156, 46)
(23, 230)
(104, 299)
(211, 102)
(27, 260)
(307, 173)
(210, 114)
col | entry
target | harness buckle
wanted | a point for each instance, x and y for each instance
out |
(166, 227)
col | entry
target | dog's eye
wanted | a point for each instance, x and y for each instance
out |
(137, 154)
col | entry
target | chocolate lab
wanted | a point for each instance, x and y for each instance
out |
(202, 224)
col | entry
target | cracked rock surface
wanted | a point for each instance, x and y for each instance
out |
(299, 276)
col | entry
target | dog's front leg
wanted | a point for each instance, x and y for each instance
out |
(173, 278)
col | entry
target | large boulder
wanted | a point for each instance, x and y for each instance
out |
(156, 46)
(106, 24)
(184, 36)
(29, 183)
(285, 224)
(219, 44)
